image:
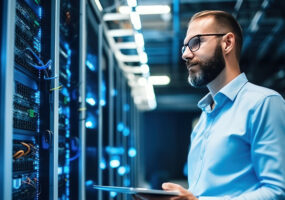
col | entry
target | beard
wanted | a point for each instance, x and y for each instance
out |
(209, 69)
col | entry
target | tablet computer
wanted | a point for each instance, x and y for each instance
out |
(132, 190)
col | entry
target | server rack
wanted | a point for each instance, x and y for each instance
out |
(105, 100)
(93, 108)
(6, 105)
(33, 131)
(68, 144)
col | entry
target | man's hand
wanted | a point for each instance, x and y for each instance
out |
(184, 194)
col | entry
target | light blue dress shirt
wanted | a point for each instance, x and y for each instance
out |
(238, 149)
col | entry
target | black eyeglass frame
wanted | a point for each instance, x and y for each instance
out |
(199, 35)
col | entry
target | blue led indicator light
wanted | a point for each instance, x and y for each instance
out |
(113, 194)
(115, 162)
(89, 183)
(120, 127)
(132, 152)
(126, 131)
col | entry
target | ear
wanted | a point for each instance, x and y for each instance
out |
(228, 43)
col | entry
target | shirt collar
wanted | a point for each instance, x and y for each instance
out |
(230, 91)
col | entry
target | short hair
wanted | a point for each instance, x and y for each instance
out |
(224, 19)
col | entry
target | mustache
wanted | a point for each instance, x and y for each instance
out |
(191, 63)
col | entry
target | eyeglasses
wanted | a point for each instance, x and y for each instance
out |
(194, 42)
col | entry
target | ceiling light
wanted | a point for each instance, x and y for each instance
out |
(136, 21)
(159, 80)
(145, 68)
(143, 58)
(132, 3)
(139, 39)
(98, 4)
(125, 9)
(147, 10)
(142, 81)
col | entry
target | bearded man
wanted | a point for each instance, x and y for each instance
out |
(237, 147)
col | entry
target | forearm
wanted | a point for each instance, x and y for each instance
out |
(262, 193)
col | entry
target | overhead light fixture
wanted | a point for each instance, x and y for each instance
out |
(142, 81)
(136, 21)
(159, 80)
(98, 4)
(147, 10)
(139, 39)
(145, 68)
(143, 58)
(132, 3)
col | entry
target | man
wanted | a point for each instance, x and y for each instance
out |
(237, 146)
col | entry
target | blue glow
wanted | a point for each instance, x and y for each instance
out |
(68, 72)
(69, 52)
(59, 170)
(91, 101)
(17, 183)
(89, 183)
(103, 164)
(114, 92)
(115, 150)
(120, 127)
(102, 102)
(67, 156)
(66, 46)
(91, 62)
(132, 152)
(68, 63)
(115, 162)
(113, 194)
(64, 91)
(91, 122)
(67, 134)
(40, 34)
(40, 12)
(126, 131)
(127, 182)
(126, 107)
(60, 110)
(103, 94)
(45, 144)
(37, 97)
(38, 124)
(66, 169)
(90, 66)
(67, 111)
(122, 171)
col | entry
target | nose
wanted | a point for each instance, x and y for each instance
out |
(187, 54)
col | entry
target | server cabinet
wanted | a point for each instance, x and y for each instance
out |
(92, 103)
(106, 102)
(6, 103)
(123, 152)
(68, 113)
(33, 135)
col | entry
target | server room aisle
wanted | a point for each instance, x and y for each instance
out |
(94, 92)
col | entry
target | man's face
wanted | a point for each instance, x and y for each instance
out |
(208, 70)
(205, 64)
